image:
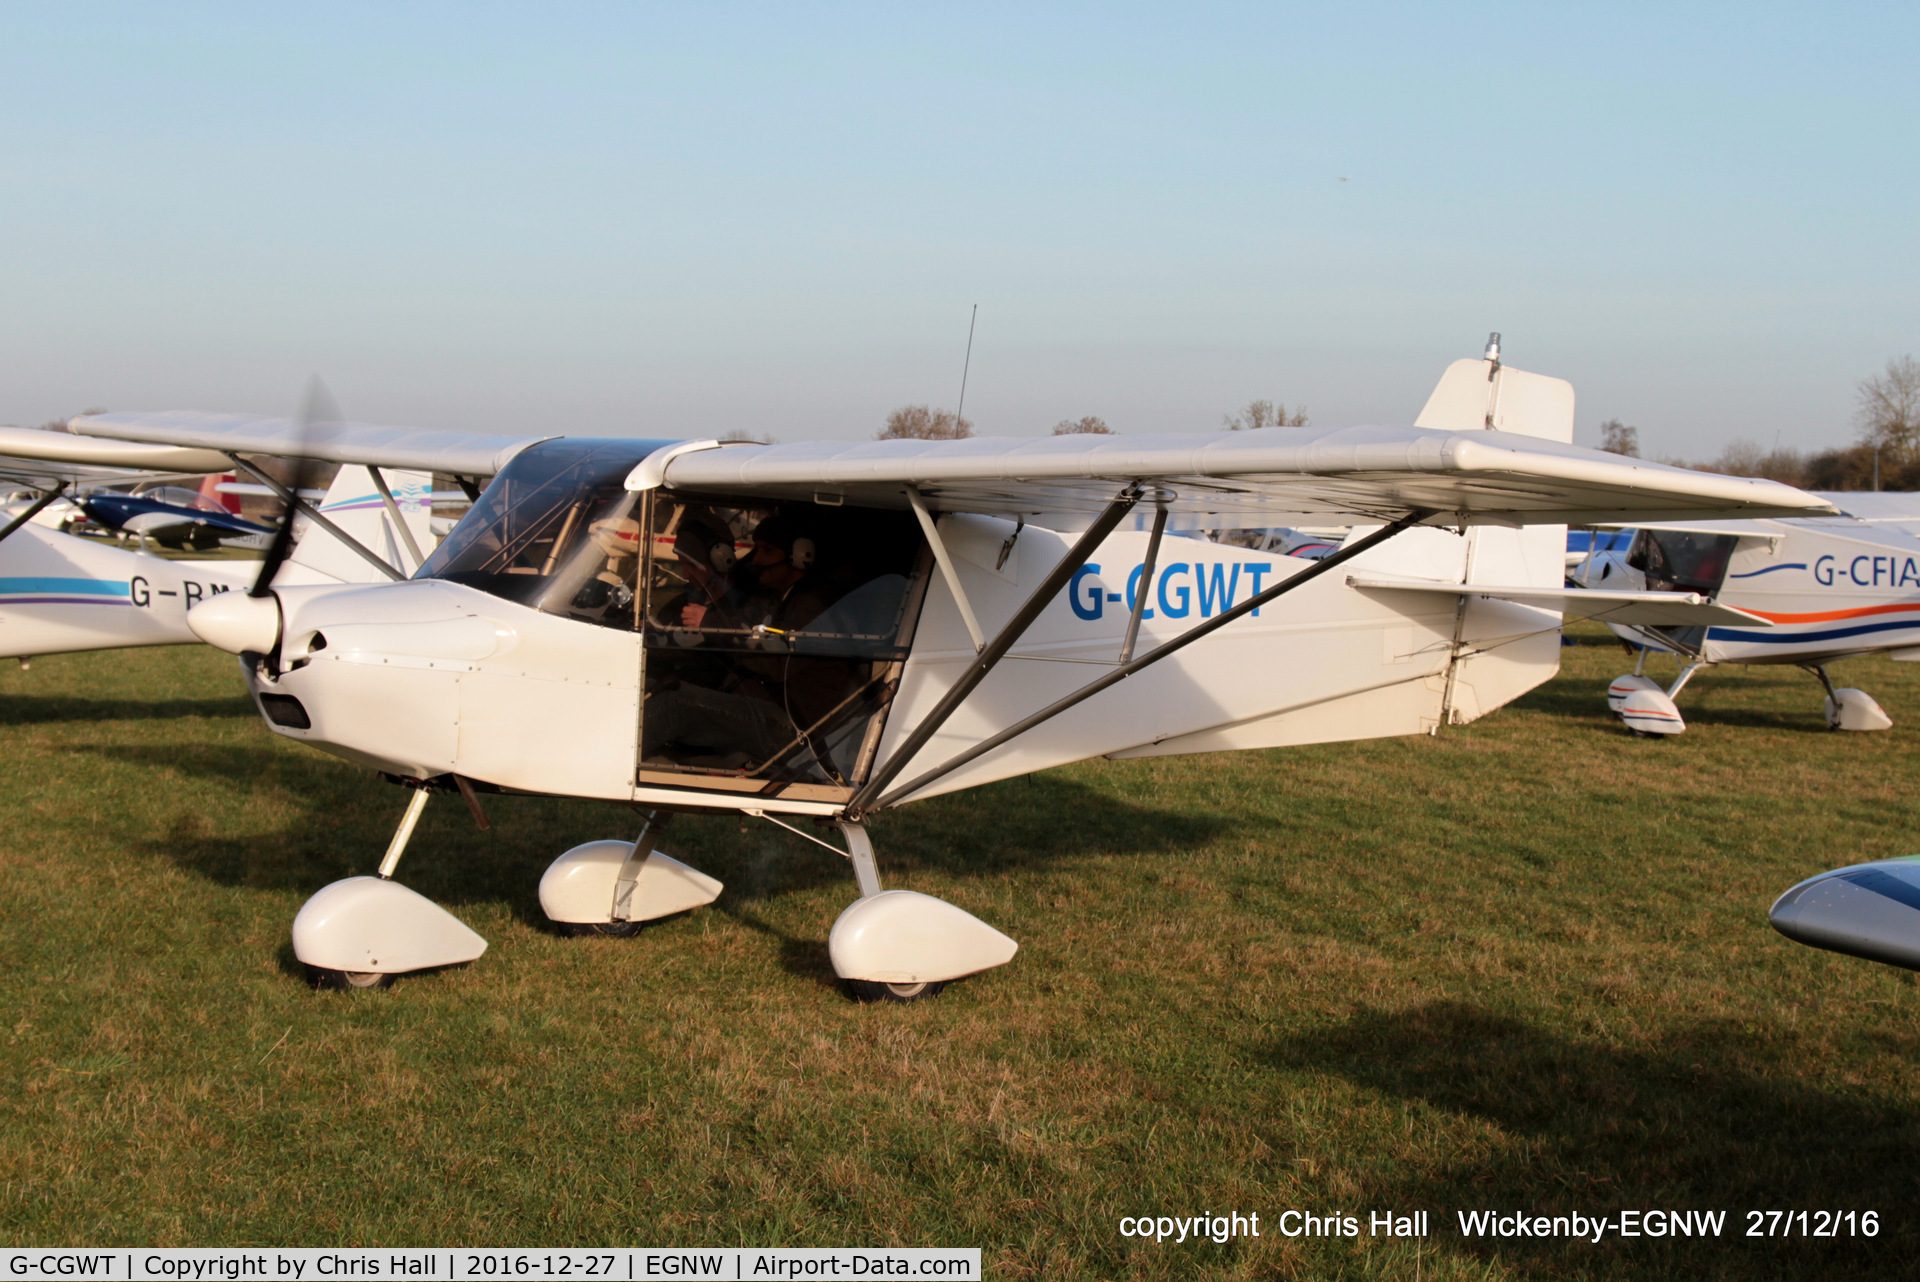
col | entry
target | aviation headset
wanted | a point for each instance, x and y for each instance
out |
(779, 532)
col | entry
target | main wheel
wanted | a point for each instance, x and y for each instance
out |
(343, 980)
(609, 929)
(870, 990)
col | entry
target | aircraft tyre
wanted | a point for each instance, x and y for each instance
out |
(606, 929)
(327, 980)
(869, 990)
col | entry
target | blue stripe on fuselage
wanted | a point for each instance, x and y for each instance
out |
(1792, 638)
(40, 586)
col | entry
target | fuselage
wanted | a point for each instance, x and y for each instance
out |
(1830, 586)
(576, 638)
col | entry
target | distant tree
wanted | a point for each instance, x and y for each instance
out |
(1889, 408)
(919, 423)
(743, 436)
(1744, 458)
(1265, 414)
(1617, 438)
(1090, 426)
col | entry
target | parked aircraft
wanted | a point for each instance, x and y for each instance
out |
(824, 630)
(1830, 587)
(169, 515)
(1869, 910)
(61, 593)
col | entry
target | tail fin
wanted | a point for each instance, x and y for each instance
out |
(354, 504)
(1475, 395)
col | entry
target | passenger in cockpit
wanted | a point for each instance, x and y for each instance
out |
(706, 597)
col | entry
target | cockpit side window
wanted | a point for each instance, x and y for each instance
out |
(1682, 560)
(775, 635)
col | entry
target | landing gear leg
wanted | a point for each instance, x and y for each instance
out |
(1686, 675)
(1820, 670)
(403, 834)
(1849, 709)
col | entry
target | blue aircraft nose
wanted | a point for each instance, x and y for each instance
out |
(1868, 910)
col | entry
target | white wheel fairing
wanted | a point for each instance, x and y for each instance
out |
(369, 925)
(584, 885)
(1620, 687)
(1856, 710)
(904, 937)
(1651, 712)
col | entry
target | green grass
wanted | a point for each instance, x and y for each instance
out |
(1522, 965)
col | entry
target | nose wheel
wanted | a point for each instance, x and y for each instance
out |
(867, 990)
(328, 980)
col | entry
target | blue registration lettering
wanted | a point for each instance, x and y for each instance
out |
(1256, 570)
(1878, 561)
(1094, 599)
(1853, 571)
(1823, 571)
(1186, 594)
(1906, 574)
(1217, 587)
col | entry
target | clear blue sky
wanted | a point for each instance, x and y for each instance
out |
(683, 219)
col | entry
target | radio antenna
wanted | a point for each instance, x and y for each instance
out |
(959, 414)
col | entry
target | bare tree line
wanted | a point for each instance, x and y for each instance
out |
(924, 423)
(1886, 415)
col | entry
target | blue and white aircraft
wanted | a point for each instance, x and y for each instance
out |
(61, 593)
(1817, 589)
(169, 515)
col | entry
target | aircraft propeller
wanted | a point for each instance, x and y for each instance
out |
(316, 408)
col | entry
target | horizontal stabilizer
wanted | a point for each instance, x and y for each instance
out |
(1647, 609)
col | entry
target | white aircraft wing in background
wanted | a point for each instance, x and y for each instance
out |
(369, 444)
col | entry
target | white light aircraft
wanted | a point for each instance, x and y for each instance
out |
(820, 631)
(1814, 589)
(61, 593)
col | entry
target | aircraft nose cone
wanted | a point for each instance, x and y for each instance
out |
(237, 623)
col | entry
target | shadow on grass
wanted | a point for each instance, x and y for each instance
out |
(1693, 1125)
(1720, 701)
(19, 710)
(342, 818)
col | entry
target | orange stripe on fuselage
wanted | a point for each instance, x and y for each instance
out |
(1826, 616)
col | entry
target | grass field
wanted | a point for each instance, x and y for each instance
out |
(1523, 965)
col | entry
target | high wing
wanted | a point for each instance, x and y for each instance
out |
(1648, 609)
(1269, 476)
(1253, 477)
(40, 460)
(413, 448)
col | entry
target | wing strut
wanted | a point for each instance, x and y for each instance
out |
(34, 511)
(393, 510)
(1146, 577)
(1152, 656)
(296, 503)
(947, 572)
(1003, 641)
